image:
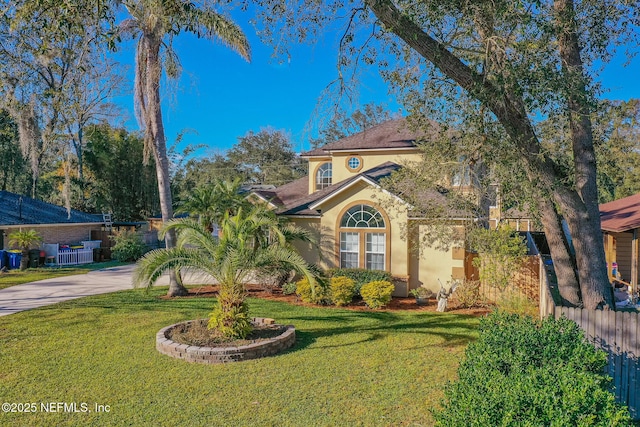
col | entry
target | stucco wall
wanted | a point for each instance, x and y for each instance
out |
(429, 264)
(369, 160)
(331, 214)
(308, 251)
(56, 234)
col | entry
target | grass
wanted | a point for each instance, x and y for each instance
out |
(17, 277)
(346, 368)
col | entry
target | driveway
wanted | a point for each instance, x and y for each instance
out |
(51, 291)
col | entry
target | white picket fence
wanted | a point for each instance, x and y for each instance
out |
(68, 256)
(75, 256)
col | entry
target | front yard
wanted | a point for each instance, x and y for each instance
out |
(347, 367)
(18, 277)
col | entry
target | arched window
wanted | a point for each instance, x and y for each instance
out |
(323, 176)
(363, 238)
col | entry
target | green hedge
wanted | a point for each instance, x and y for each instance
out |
(526, 373)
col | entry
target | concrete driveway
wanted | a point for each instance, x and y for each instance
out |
(51, 291)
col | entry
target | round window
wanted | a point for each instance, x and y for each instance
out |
(354, 163)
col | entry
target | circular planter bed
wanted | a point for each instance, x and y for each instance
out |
(228, 352)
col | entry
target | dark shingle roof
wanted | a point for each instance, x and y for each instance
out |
(387, 135)
(621, 215)
(23, 210)
(300, 205)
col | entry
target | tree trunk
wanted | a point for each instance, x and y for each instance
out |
(563, 262)
(583, 220)
(79, 155)
(154, 125)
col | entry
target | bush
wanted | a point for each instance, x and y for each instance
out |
(307, 294)
(360, 276)
(467, 294)
(342, 290)
(513, 301)
(377, 294)
(128, 246)
(289, 288)
(522, 372)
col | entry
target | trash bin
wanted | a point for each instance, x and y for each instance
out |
(97, 255)
(14, 259)
(34, 258)
(3, 259)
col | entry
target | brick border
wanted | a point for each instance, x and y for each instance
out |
(211, 355)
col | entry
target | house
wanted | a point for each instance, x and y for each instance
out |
(52, 222)
(339, 203)
(620, 221)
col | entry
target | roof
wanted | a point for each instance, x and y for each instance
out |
(22, 210)
(621, 215)
(286, 194)
(293, 199)
(393, 134)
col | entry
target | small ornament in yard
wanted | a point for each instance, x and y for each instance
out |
(443, 296)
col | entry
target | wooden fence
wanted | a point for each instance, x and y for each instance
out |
(615, 332)
(525, 281)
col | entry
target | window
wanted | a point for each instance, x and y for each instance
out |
(323, 176)
(363, 238)
(349, 250)
(354, 163)
(374, 255)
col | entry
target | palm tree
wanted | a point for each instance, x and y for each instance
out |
(231, 260)
(211, 202)
(24, 240)
(155, 23)
(199, 204)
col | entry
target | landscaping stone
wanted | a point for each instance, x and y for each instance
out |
(209, 355)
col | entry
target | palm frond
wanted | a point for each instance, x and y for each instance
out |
(216, 27)
(157, 262)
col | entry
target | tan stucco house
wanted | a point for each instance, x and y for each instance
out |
(339, 203)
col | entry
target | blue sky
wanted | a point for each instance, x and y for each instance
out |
(220, 97)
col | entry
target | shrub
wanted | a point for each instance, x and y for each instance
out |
(289, 288)
(307, 294)
(467, 294)
(233, 322)
(377, 294)
(128, 246)
(512, 301)
(522, 372)
(342, 290)
(360, 276)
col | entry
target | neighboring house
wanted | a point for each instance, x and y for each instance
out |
(620, 222)
(339, 203)
(52, 222)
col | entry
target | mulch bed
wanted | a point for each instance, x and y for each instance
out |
(196, 333)
(396, 304)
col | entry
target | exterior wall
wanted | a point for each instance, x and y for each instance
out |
(623, 254)
(369, 160)
(430, 264)
(309, 251)
(397, 249)
(314, 163)
(72, 233)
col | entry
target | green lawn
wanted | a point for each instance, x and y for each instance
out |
(17, 277)
(348, 368)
